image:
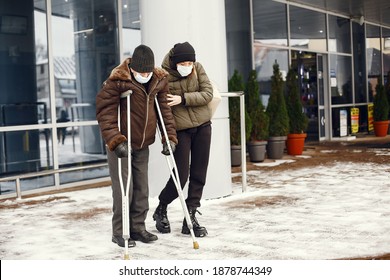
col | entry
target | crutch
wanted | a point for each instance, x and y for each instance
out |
(125, 191)
(175, 176)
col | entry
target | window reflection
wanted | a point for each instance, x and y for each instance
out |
(131, 26)
(85, 49)
(373, 45)
(83, 59)
(42, 65)
(270, 23)
(72, 150)
(359, 59)
(341, 79)
(307, 29)
(265, 58)
(339, 34)
(386, 52)
(25, 151)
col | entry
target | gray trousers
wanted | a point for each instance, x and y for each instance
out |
(138, 193)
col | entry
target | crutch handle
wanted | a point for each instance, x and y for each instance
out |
(126, 93)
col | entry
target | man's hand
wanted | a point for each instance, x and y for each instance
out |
(122, 150)
(173, 99)
(165, 150)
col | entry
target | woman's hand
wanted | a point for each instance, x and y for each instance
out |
(173, 99)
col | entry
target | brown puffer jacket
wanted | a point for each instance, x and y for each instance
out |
(197, 90)
(144, 116)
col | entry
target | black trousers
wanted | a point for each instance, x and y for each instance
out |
(192, 159)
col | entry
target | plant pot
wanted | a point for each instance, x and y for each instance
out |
(295, 143)
(275, 147)
(256, 150)
(235, 155)
(380, 128)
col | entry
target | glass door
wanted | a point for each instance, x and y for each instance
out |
(323, 100)
(312, 76)
(306, 65)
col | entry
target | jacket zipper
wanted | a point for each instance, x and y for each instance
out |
(146, 120)
(147, 113)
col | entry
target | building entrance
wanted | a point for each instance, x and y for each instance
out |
(312, 76)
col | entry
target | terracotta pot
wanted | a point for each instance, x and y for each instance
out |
(295, 143)
(380, 128)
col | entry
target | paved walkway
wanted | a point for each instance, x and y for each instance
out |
(336, 210)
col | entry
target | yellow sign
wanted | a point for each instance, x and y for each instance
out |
(354, 120)
(370, 110)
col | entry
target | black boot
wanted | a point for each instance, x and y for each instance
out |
(161, 218)
(199, 231)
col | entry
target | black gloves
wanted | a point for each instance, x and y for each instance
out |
(121, 150)
(165, 150)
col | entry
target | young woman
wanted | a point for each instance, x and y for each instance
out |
(190, 91)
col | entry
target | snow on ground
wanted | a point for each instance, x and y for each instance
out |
(313, 213)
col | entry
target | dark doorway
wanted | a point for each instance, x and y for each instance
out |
(305, 63)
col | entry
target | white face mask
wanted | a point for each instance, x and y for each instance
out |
(184, 70)
(141, 79)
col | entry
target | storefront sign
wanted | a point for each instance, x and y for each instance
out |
(354, 120)
(343, 123)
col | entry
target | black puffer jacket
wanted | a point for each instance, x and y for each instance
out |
(144, 116)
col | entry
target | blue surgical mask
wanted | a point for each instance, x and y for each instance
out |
(142, 79)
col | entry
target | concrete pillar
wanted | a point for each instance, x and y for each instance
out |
(201, 23)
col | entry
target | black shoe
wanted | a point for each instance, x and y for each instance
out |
(161, 218)
(199, 231)
(143, 236)
(121, 242)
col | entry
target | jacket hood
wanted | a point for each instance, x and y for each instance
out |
(168, 65)
(122, 72)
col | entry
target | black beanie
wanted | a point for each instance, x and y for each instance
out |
(183, 52)
(142, 60)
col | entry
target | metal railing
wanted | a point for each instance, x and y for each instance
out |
(18, 178)
(241, 95)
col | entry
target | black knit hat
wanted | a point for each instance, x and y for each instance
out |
(183, 52)
(142, 60)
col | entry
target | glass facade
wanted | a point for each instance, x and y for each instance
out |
(373, 58)
(359, 62)
(269, 23)
(386, 52)
(52, 66)
(307, 29)
(340, 79)
(55, 54)
(339, 61)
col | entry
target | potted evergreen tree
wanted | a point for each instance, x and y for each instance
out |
(381, 111)
(260, 123)
(298, 120)
(278, 116)
(387, 90)
(236, 84)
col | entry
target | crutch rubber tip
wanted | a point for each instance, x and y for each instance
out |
(196, 245)
(126, 257)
